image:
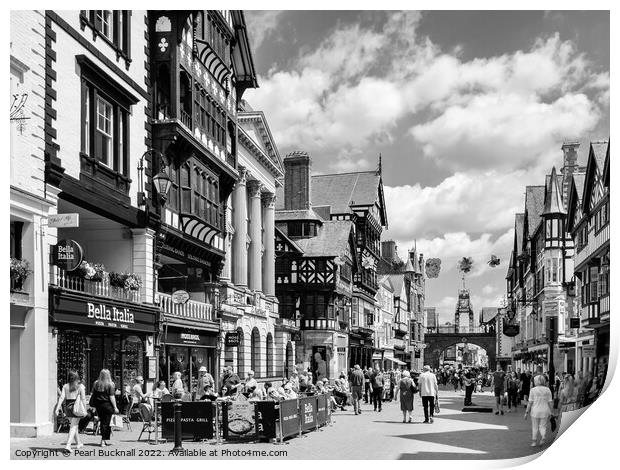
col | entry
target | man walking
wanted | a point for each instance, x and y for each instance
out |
(357, 386)
(427, 383)
(499, 388)
(376, 387)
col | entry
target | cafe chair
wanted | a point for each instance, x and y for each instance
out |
(61, 420)
(146, 415)
(131, 409)
(167, 398)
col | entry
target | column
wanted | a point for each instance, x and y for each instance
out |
(226, 271)
(269, 254)
(143, 243)
(256, 236)
(240, 237)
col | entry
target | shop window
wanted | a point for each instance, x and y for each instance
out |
(72, 356)
(255, 351)
(269, 358)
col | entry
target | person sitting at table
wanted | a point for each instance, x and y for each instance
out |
(289, 392)
(159, 389)
(295, 381)
(208, 393)
(137, 395)
(339, 395)
(178, 388)
(250, 381)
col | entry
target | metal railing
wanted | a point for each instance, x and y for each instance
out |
(73, 282)
(186, 119)
(190, 310)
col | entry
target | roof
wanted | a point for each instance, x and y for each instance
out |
(534, 205)
(575, 196)
(385, 281)
(553, 196)
(341, 191)
(599, 149)
(488, 313)
(332, 239)
(307, 214)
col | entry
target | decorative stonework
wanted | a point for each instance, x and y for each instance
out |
(254, 188)
(269, 200)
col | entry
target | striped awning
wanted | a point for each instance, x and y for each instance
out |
(198, 228)
(212, 61)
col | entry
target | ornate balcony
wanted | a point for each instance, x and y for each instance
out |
(190, 310)
(61, 279)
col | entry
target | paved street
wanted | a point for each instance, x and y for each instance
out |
(371, 435)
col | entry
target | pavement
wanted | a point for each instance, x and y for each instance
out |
(455, 435)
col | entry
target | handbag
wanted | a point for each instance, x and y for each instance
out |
(116, 423)
(79, 409)
(553, 423)
(437, 408)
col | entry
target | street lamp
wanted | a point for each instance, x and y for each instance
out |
(161, 180)
(162, 184)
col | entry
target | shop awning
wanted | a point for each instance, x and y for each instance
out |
(396, 361)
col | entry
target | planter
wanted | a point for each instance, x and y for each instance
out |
(20, 270)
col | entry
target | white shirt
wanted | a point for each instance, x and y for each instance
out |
(427, 383)
(539, 399)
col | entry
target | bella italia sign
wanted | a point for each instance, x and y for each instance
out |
(104, 314)
(67, 254)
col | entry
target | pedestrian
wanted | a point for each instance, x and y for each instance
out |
(103, 399)
(540, 409)
(499, 386)
(204, 379)
(73, 396)
(469, 383)
(377, 383)
(429, 390)
(455, 381)
(367, 396)
(512, 388)
(231, 381)
(526, 380)
(178, 388)
(357, 385)
(407, 390)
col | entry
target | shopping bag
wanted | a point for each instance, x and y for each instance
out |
(116, 423)
(79, 409)
(437, 409)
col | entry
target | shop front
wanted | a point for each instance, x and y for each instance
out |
(94, 333)
(187, 350)
(360, 351)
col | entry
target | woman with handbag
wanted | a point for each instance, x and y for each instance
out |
(73, 396)
(103, 399)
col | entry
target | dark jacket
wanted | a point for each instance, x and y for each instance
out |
(376, 379)
(357, 378)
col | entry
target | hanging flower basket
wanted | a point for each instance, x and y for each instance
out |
(20, 270)
(94, 272)
(128, 281)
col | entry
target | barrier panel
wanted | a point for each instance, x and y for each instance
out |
(238, 420)
(289, 418)
(197, 420)
(307, 412)
(322, 402)
(266, 419)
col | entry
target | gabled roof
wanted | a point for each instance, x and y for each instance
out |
(519, 219)
(255, 133)
(397, 281)
(575, 196)
(333, 239)
(596, 162)
(386, 282)
(487, 314)
(606, 174)
(343, 190)
(534, 205)
(293, 246)
(553, 196)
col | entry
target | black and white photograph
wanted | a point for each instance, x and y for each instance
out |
(309, 234)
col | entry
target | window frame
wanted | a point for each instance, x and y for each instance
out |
(119, 37)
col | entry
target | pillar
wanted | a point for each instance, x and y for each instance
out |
(143, 243)
(269, 254)
(240, 237)
(256, 236)
(228, 234)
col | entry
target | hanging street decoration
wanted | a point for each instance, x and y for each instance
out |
(494, 261)
(466, 264)
(433, 267)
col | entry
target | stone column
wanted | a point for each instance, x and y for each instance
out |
(269, 254)
(226, 271)
(240, 215)
(143, 246)
(256, 235)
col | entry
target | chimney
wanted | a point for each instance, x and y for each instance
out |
(297, 181)
(570, 165)
(388, 250)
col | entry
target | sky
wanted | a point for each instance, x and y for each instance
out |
(465, 107)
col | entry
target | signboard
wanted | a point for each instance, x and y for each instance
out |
(67, 254)
(190, 337)
(82, 310)
(307, 411)
(412, 335)
(63, 220)
(196, 420)
(152, 370)
(232, 339)
(198, 256)
(588, 351)
(289, 418)
(180, 297)
(321, 409)
(416, 354)
(511, 330)
(266, 414)
(239, 420)
(574, 322)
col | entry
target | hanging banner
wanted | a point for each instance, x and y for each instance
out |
(289, 417)
(67, 254)
(266, 414)
(307, 411)
(196, 420)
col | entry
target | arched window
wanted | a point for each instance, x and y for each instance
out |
(290, 360)
(255, 352)
(269, 360)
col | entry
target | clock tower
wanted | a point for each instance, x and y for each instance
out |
(464, 312)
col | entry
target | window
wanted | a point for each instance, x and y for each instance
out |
(16, 239)
(103, 134)
(186, 189)
(111, 25)
(209, 117)
(593, 284)
(104, 129)
(603, 281)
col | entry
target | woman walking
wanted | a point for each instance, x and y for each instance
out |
(512, 387)
(73, 396)
(103, 399)
(540, 408)
(407, 389)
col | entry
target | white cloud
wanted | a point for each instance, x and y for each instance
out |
(261, 23)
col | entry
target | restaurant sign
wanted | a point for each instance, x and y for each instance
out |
(190, 337)
(232, 339)
(67, 254)
(180, 297)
